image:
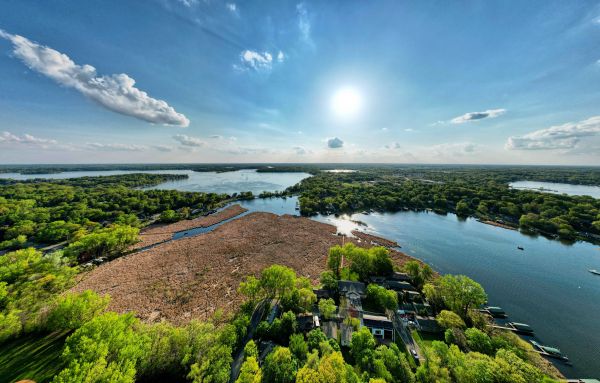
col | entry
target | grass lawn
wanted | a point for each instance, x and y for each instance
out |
(32, 357)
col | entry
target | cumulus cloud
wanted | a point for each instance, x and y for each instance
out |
(393, 145)
(189, 141)
(334, 143)
(476, 116)
(115, 92)
(256, 60)
(25, 139)
(115, 147)
(232, 7)
(280, 56)
(566, 136)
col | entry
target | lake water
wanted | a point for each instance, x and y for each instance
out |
(227, 182)
(547, 285)
(558, 188)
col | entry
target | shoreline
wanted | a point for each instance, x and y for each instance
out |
(498, 224)
(160, 233)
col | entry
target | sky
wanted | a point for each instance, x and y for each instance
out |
(490, 82)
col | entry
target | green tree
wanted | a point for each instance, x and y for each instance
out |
(277, 281)
(105, 349)
(314, 338)
(329, 281)
(250, 349)
(298, 346)
(279, 366)
(250, 371)
(362, 348)
(461, 293)
(383, 298)
(448, 319)
(108, 241)
(478, 341)
(334, 260)
(72, 310)
(327, 308)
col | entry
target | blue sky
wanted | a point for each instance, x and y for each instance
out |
(290, 81)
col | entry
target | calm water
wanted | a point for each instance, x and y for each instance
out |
(547, 285)
(227, 183)
(558, 188)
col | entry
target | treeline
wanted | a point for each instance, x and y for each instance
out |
(54, 169)
(47, 212)
(476, 192)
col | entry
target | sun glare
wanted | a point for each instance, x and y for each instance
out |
(346, 102)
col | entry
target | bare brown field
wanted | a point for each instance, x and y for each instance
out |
(193, 277)
(163, 232)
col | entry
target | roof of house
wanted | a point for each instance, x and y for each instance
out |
(378, 321)
(399, 276)
(347, 287)
(399, 286)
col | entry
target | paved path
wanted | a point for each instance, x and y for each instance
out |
(239, 357)
(406, 336)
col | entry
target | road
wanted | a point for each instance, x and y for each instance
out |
(257, 315)
(406, 336)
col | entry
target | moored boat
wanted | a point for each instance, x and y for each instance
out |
(552, 352)
(594, 271)
(522, 328)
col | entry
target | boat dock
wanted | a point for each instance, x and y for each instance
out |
(550, 352)
(519, 328)
(494, 311)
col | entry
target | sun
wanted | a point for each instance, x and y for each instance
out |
(346, 102)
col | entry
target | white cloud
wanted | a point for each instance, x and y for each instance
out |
(232, 7)
(115, 92)
(280, 56)
(25, 139)
(393, 145)
(476, 116)
(409, 130)
(334, 143)
(299, 150)
(384, 129)
(256, 60)
(216, 137)
(304, 25)
(115, 147)
(566, 136)
(186, 140)
(163, 148)
(189, 3)
(453, 149)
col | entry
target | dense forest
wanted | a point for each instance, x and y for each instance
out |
(50, 211)
(481, 192)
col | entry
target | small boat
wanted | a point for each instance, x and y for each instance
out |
(551, 352)
(495, 311)
(520, 248)
(594, 271)
(521, 328)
